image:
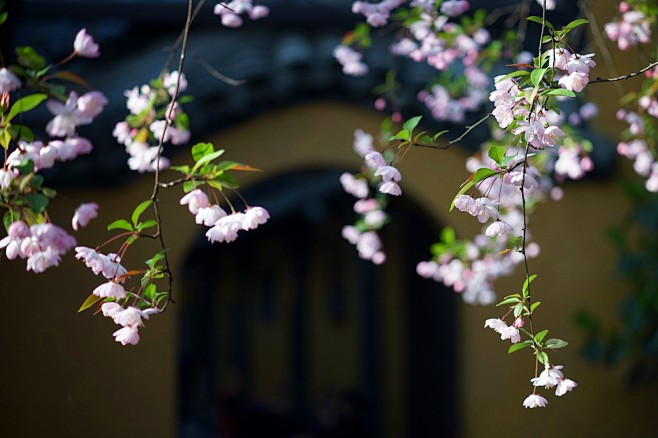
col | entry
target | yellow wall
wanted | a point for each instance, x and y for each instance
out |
(64, 372)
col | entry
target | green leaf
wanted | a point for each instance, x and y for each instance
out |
(448, 235)
(47, 191)
(516, 347)
(25, 167)
(21, 132)
(514, 74)
(224, 181)
(37, 202)
(518, 309)
(190, 185)
(542, 357)
(547, 39)
(482, 174)
(411, 124)
(540, 336)
(403, 135)
(26, 104)
(29, 58)
(497, 153)
(10, 217)
(555, 343)
(201, 149)
(574, 24)
(150, 291)
(155, 259)
(3, 17)
(527, 282)
(90, 301)
(147, 224)
(533, 306)
(5, 138)
(120, 224)
(139, 210)
(465, 188)
(438, 134)
(182, 169)
(560, 92)
(508, 301)
(537, 75)
(539, 20)
(207, 159)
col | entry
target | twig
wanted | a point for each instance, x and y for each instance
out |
(469, 129)
(156, 182)
(627, 76)
(216, 73)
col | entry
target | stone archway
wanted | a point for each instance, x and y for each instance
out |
(286, 331)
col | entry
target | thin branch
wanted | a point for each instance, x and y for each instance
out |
(469, 129)
(168, 118)
(216, 73)
(627, 76)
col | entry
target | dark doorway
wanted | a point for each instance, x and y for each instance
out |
(286, 332)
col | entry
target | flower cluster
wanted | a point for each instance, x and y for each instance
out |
(351, 60)
(231, 12)
(633, 27)
(434, 39)
(115, 298)
(41, 244)
(385, 177)
(152, 121)
(223, 227)
(31, 234)
(638, 141)
(377, 14)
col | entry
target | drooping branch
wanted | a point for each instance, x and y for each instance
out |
(626, 76)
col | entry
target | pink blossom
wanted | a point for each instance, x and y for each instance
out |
(575, 81)
(363, 206)
(356, 187)
(110, 309)
(362, 143)
(564, 386)
(42, 260)
(499, 228)
(195, 200)
(351, 60)
(454, 8)
(349, 233)
(91, 104)
(85, 46)
(130, 317)
(226, 229)
(390, 188)
(375, 160)
(112, 268)
(550, 377)
(258, 12)
(127, 335)
(83, 214)
(110, 290)
(208, 216)
(388, 173)
(253, 217)
(535, 401)
(8, 81)
(170, 80)
(67, 117)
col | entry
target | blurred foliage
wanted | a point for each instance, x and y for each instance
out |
(632, 341)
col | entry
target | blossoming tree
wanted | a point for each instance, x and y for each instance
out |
(534, 145)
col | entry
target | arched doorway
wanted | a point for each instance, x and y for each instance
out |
(286, 332)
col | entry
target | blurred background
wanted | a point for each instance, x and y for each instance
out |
(286, 332)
